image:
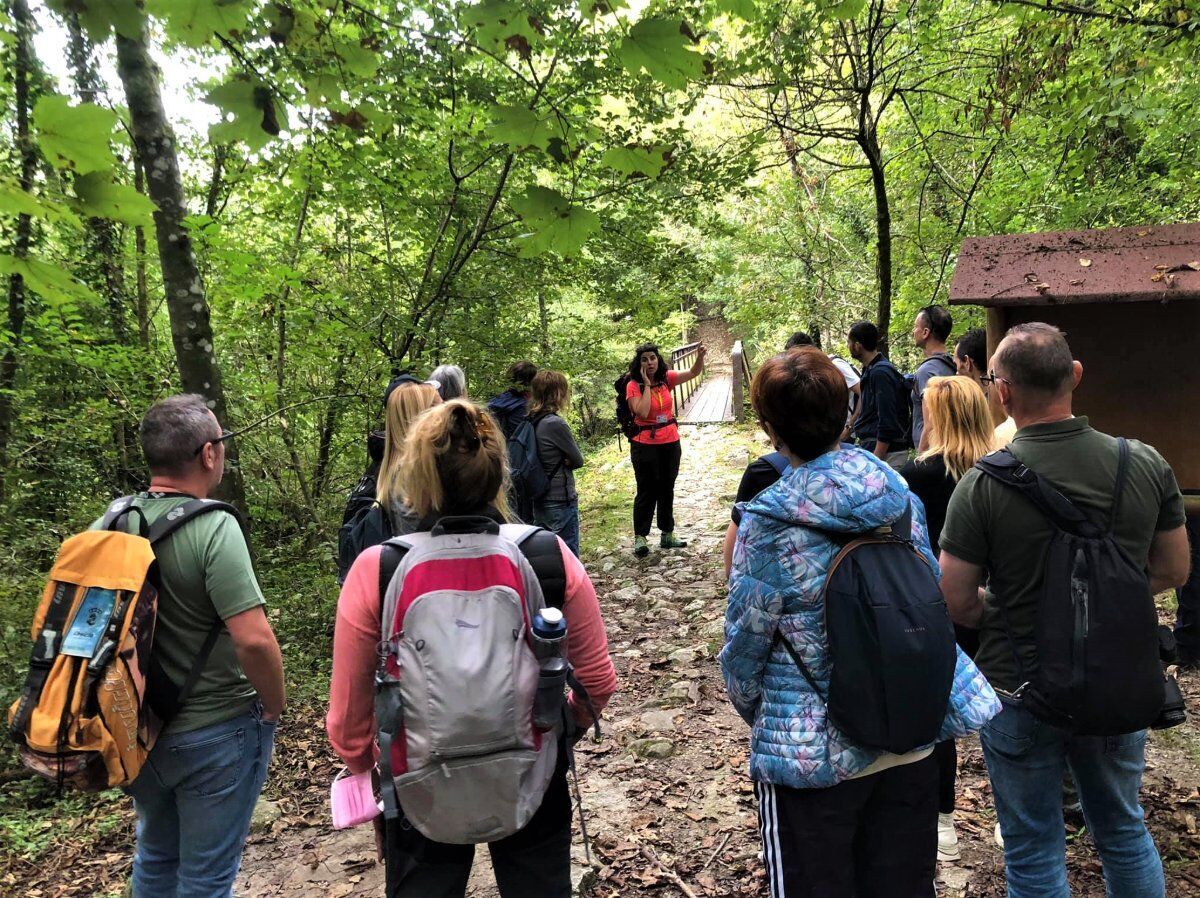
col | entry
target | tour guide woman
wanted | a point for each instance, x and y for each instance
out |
(837, 820)
(655, 451)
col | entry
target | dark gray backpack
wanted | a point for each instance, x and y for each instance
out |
(1098, 671)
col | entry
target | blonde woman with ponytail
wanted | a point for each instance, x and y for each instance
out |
(454, 464)
(958, 432)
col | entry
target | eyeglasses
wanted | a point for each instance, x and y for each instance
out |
(225, 434)
(991, 377)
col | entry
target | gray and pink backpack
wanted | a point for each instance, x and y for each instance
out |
(457, 677)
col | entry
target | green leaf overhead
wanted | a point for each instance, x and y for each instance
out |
(356, 59)
(521, 128)
(663, 48)
(50, 281)
(74, 137)
(502, 25)
(196, 22)
(100, 18)
(848, 9)
(101, 197)
(15, 201)
(593, 8)
(250, 113)
(557, 225)
(635, 161)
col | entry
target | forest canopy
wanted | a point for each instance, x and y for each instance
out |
(382, 187)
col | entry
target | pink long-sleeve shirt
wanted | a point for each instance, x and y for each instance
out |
(350, 722)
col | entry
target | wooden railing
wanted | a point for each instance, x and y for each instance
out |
(682, 358)
(742, 375)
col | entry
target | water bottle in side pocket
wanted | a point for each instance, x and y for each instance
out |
(549, 645)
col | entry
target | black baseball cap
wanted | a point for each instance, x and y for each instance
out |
(399, 380)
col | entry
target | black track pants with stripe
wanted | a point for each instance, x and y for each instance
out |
(871, 837)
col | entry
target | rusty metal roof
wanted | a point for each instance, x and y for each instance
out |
(1160, 263)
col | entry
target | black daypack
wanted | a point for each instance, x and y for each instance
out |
(1098, 671)
(529, 479)
(624, 413)
(891, 644)
(369, 526)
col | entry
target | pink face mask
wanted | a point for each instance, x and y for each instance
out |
(352, 799)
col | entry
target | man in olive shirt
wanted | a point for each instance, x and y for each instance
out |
(198, 788)
(992, 530)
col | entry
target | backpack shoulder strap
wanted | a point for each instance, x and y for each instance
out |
(165, 526)
(163, 529)
(1006, 468)
(1122, 477)
(541, 549)
(778, 461)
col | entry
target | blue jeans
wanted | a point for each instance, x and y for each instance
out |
(1026, 760)
(561, 518)
(1187, 618)
(194, 798)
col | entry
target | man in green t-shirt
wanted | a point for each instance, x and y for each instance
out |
(993, 531)
(198, 788)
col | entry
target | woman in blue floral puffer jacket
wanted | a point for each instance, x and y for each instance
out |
(836, 819)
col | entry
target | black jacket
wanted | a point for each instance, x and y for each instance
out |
(885, 407)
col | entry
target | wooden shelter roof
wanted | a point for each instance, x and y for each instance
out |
(1159, 263)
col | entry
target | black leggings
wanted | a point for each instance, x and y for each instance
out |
(532, 863)
(655, 468)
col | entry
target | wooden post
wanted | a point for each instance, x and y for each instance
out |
(737, 360)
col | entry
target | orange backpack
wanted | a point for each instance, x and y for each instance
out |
(95, 700)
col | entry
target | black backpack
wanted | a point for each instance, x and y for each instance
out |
(624, 412)
(891, 644)
(1098, 670)
(368, 526)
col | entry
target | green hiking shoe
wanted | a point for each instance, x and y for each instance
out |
(671, 541)
(641, 548)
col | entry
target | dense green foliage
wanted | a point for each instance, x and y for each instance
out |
(392, 186)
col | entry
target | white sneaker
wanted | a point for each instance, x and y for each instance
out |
(947, 839)
(999, 837)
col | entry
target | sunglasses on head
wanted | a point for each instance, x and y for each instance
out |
(225, 434)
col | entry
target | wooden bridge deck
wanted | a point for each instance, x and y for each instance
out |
(712, 403)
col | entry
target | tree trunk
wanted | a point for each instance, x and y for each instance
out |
(104, 269)
(543, 321)
(10, 362)
(217, 182)
(191, 329)
(883, 237)
(285, 428)
(139, 250)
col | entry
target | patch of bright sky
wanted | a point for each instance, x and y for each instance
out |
(190, 116)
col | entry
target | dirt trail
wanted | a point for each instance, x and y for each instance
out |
(666, 795)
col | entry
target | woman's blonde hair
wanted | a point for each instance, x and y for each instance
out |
(959, 423)
(455, 462)
(404, 406)
(549, 393)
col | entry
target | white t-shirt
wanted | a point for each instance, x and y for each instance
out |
(852, 379)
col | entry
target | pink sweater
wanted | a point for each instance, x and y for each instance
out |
(351, 719)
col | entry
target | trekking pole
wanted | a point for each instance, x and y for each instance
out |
(587, 850)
